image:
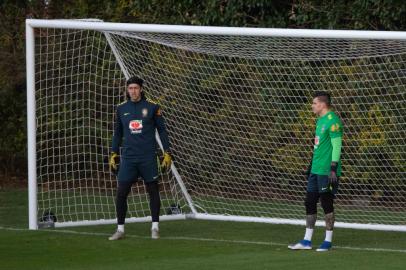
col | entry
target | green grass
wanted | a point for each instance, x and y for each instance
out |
(14, 208)
(188, 244)
(344, 213)
(87, 204)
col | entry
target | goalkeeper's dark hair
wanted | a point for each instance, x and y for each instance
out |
(136, 80)
(323, 96)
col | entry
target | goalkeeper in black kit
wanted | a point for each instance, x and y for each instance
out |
(137, 119)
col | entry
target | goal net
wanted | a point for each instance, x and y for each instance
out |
(238, 112)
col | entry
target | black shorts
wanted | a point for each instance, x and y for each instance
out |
(319, 183)
(130, 170)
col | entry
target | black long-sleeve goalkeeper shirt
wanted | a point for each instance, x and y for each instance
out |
(135, 127)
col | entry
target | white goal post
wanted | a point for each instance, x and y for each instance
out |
(237, 106)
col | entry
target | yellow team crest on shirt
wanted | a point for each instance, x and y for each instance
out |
(335, 127)
(330, 117)
(144, 112)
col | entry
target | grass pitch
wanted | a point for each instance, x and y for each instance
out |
(188, 244)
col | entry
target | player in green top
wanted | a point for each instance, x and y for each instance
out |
(323, 171)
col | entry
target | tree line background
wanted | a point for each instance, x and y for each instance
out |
(318, 14)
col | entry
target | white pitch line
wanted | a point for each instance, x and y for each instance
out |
(184, 238)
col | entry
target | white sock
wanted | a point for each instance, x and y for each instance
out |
(155, 226)
(120, 228)
(308, 234)
(329, 236)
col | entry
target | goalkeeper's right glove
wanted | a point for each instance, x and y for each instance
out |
(114, 162)
(309, 169)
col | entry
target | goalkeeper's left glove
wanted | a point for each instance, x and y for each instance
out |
(166, 161)
(114, 162)
(332, 179)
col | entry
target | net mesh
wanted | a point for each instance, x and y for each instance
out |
(78, 85)
(239, 117)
